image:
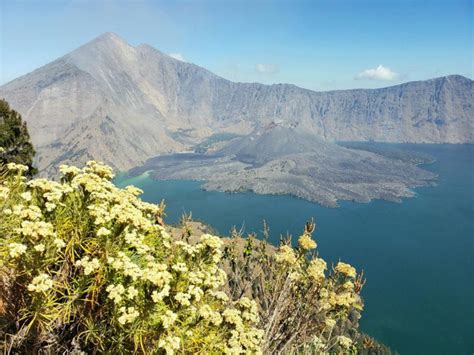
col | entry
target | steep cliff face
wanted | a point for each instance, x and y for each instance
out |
(122, 104)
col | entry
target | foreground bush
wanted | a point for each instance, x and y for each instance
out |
(86, 266)
(305, 306)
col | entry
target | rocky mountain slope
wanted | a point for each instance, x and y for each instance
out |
(122, 104)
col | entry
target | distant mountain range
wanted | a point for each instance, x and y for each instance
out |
(122, 104)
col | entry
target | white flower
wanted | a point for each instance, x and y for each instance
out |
(206, 312)
(65, 170)
(183, 298)
(59, 243)
(26, 196)
(128, 315)
(221, 296)
(156, 274)
(211, 241)
(36, 229)
(40, 283)
(103, 232)
(232, 316)
(88, 265)
(115, 292)
(135, 191)
(17, 167)
(180, 267)
(170, 344)
(132, 292)
(16, 249)
(158, 296)
(168, 319)
(31, 213)
(4, 192)
(39, 248)
(196, 292)
(50, 206)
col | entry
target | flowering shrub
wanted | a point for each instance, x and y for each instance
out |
(304, 307)
(87, 266)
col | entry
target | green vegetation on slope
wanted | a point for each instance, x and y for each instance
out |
(15, 145)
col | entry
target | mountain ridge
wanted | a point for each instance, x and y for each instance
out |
(123, 104)
(115, 37)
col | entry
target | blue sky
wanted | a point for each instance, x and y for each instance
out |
(321, 45)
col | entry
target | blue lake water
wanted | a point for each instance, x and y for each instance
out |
(418, 256)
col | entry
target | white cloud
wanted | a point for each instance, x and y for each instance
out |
(379, 73)
(266, 68)
(177, 56)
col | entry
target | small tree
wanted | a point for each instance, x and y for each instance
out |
(15, 145)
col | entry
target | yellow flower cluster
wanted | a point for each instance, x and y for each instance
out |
(208, 314)
(330, 323)
(246, 310)
(344, 341)
(346, 269)
(306, 242)
(146, 283)
(301, 276)
(316, 269)
(345, 299)
(286, 255)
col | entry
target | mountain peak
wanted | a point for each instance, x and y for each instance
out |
(109, 36)
(107, 42)
(108, 50)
